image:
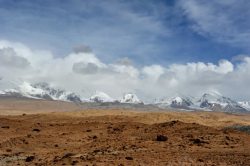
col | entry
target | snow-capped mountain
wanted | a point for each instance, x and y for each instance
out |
(101, 97)
(212, 101)
(214, 98)
(175, 102)
(245, 104)
(41, 91)
(56, 94)
(131, 98)
(217, 102)
(11, 92)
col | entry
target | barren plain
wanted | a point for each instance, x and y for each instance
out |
(39, 132)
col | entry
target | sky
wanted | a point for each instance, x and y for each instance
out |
(154, 48)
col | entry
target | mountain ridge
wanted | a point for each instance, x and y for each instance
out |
(209, 101)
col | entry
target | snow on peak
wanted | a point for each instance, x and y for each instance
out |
(245, 104)
(7, 91)
(217, 102)
(28, 90)
(211, 100)
(101, 97)
(130, 98)
(216, 98)
(42, 91)
(177, 100)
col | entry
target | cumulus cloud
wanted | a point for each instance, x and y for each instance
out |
(9, 58)
(82, 68)
(153, 72)
(125, 61)
(84, 73)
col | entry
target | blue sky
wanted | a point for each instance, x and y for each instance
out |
(148, 32)
(153, 48)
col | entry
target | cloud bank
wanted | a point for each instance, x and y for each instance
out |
(82, 72)
(8, 57)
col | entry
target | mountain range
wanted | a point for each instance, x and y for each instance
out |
(211, 101)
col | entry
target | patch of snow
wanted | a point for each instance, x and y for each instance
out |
(216, 98)
(130, 98)
(29, 90)
(101, 97)
(11, 91)
(177, 100)
(245, 104)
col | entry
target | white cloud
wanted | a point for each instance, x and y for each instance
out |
(125, 61)
(111, 28)
(84, 73)
(153, 72)
(9, 58)
(126, 70)
(83, 68)
(224, 21)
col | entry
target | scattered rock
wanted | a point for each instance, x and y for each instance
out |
(200, 160)
(161, 138)
(56, 159)
(172, 123)
(189, 136)
(5, 127)
(29, 158)
(197, 141)
(116, 129)
(37, 130)
(96, 151)
(94, 137)
(67, 155)
(129, 158)
(74, 162)
(8, 150)
(88, 130)
(227, 138)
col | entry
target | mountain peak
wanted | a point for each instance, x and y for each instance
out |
(42, 91)
(211, 100)
(131, 98)
(101, 97)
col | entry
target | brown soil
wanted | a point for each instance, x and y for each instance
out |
(119, 137)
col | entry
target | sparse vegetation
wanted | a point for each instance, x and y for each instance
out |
(124, 137)
(240, 128)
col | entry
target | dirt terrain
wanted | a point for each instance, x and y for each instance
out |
(123, 137)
